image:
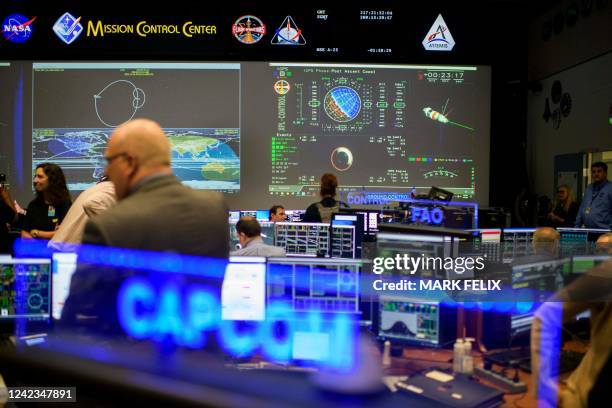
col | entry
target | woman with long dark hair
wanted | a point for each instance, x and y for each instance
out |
(46, 212)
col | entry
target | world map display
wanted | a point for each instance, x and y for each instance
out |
(202, 158)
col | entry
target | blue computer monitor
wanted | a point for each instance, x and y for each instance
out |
(327, 288)
(262, 215)
(25, 291)
(259, 215)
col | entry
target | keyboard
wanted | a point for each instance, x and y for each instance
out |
(509, 356)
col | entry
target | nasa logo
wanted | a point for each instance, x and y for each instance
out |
(17, 28)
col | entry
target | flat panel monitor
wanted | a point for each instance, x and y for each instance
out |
(325, 285)
(411, 321)
(486, 242)
(579, 241)
(542, 279)
(259, 215)
(295, 215)
(371, 219)
(304, 239)
(25, 290)
(390, 245)
(64, 266)
(347, 243)
(517, 243)
(243, 294)
(583, 263)
(343, 242)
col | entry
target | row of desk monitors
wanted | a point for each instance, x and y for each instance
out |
(264, 215)
(36, 289)
(369, 219)
(506, 245)
(342, 238)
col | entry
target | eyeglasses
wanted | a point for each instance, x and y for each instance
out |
(110, 159)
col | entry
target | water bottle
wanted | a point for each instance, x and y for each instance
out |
(458, 353)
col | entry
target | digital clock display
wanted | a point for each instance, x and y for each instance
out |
(442, 76)
(375, 15)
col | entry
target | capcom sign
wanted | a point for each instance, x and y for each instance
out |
(185, 316)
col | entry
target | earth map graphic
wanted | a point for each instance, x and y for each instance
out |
(342, 104)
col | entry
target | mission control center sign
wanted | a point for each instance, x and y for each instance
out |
(144, 28)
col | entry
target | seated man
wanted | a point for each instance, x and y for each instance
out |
(249, 235)
(546, 241)
(604, 244)
(277, 213)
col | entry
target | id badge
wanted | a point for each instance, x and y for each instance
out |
(51, 211)
(587, 210)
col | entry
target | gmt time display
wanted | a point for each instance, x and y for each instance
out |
(375, 15)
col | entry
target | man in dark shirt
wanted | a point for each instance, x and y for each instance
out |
(138, 159)
(323, 210)
(51, 204)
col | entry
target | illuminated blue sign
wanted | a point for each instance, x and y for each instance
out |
(426, 215)
(184, 315)
(375, 197)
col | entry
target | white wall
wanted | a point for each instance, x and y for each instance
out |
(585, 129)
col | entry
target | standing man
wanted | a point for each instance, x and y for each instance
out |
(596, 208)
(154, 212)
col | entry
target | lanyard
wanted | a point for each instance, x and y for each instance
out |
(595, 194)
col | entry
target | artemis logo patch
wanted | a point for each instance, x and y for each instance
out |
(439, 37)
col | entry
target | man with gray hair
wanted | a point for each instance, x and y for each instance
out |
(155, 212)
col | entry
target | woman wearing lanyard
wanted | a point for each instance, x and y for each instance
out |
(51, 204)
